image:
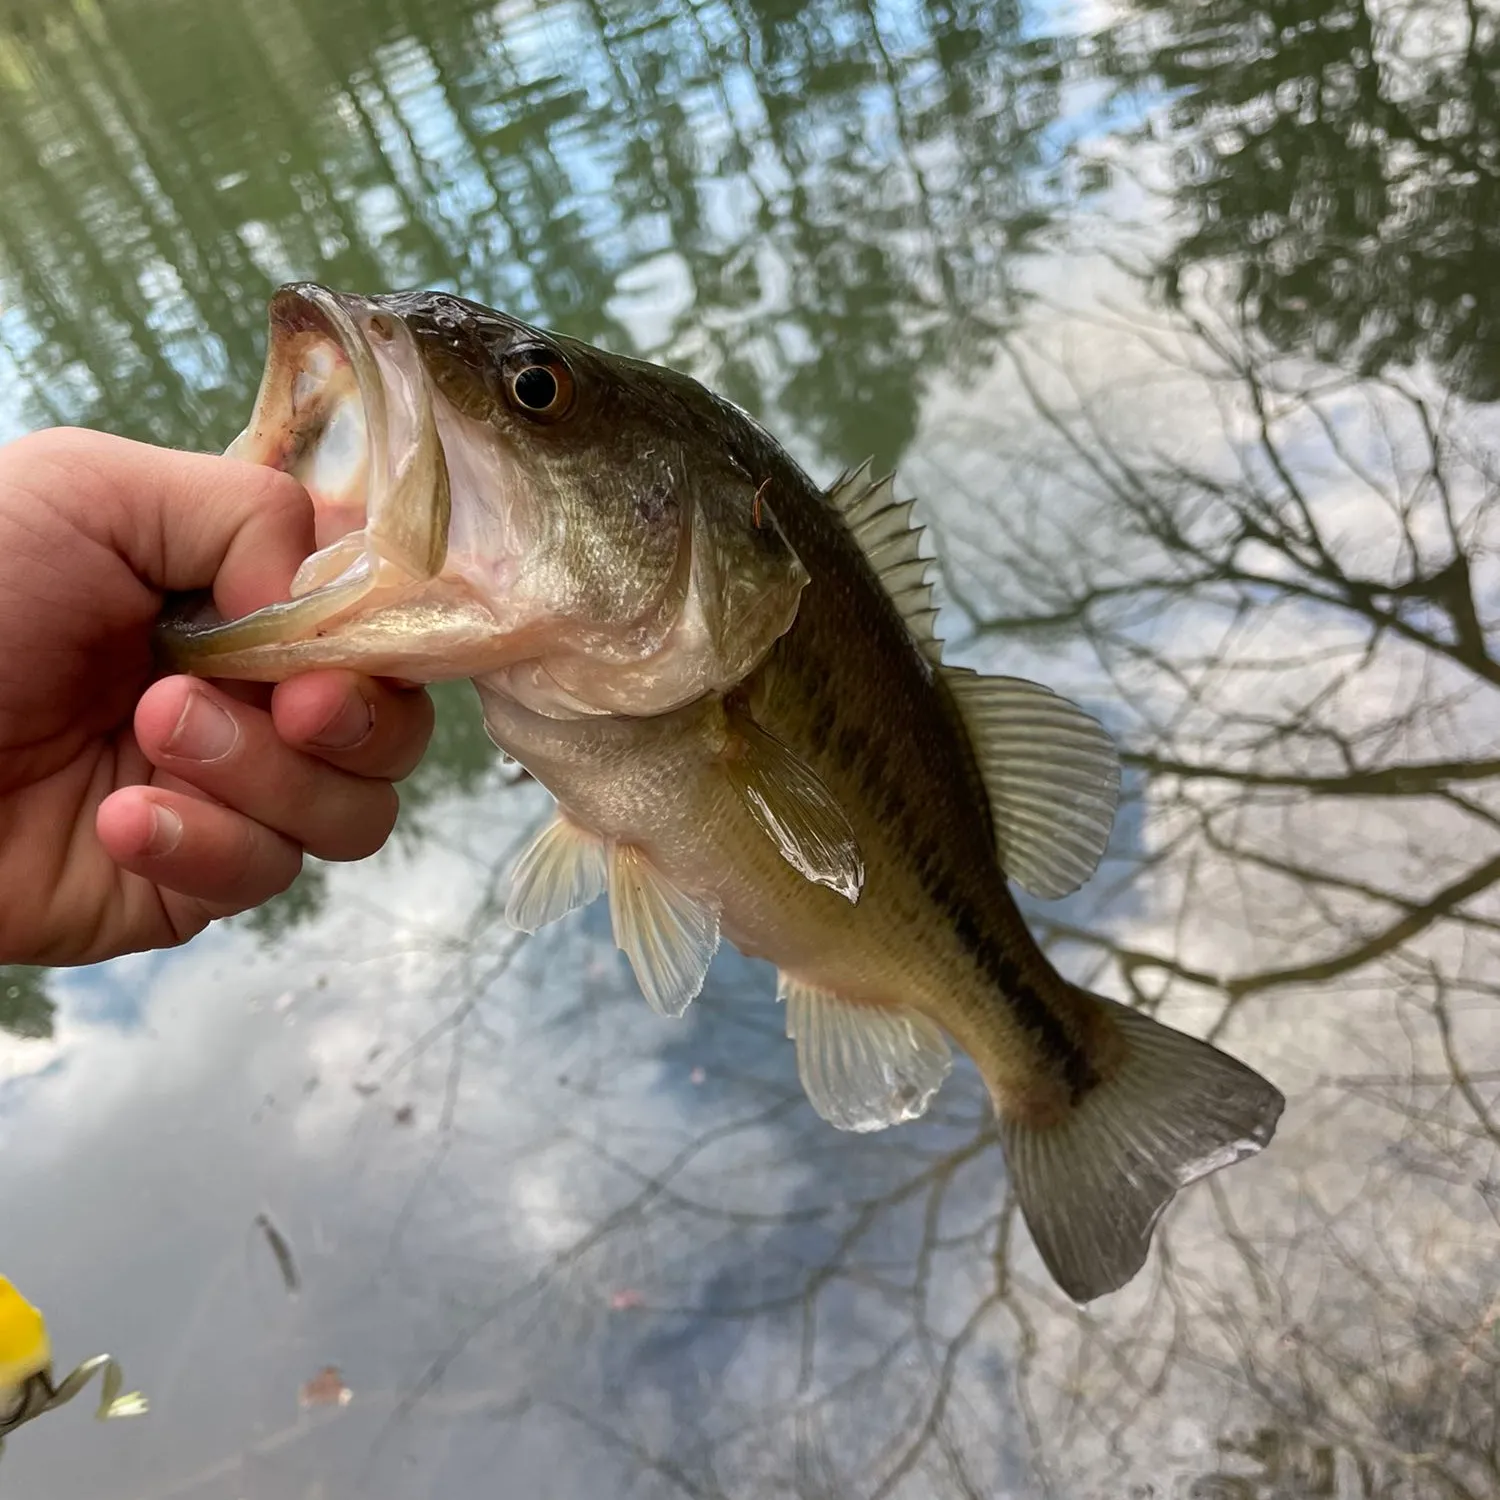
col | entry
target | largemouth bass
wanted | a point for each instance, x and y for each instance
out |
(729, 680)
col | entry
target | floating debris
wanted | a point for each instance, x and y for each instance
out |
(285, 1262)
(326, 1388)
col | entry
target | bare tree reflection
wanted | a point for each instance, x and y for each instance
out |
(1340, 160)
(1294, 620)
(26, 1009)
(795, 189)
(649, 1249)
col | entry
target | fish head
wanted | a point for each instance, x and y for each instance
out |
(490, 498)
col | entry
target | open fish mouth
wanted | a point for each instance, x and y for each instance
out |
(344, 408)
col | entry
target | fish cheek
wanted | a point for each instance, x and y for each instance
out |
(624, 552)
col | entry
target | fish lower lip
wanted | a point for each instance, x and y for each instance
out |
(358, 431)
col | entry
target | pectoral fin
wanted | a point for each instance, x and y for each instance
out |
(863, 1068)
(668, 936)
(796, 811)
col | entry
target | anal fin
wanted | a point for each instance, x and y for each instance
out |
(562, 869)
(669, 937)
(863, 1067)
(1093, 1185)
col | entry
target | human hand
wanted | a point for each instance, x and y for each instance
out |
(134, 812)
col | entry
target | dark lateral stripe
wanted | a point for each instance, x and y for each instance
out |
(1030, 1009)
(1035, 1014)
(1027, 1005)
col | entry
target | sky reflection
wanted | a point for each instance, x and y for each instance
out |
(546, 1235)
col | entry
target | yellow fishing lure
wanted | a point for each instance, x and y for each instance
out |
(26, 1385)
(25, 1349)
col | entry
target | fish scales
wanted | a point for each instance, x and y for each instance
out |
(870, 715)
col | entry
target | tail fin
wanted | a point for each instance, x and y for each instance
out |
(1093, 1186)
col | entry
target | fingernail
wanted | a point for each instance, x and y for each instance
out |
(349, 727)
(204, 731)
(166, 830)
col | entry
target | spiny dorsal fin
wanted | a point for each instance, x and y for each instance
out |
(863, 1068)
(891, 540)
(1052, 775)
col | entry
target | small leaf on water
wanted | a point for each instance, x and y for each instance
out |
(326, 1388)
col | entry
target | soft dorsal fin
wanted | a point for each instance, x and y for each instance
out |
(863, 1068)
(1052, 775)
(891, 540)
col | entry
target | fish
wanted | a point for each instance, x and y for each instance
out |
(729, 678)
(27, 1387)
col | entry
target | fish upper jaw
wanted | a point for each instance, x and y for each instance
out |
(344, 406)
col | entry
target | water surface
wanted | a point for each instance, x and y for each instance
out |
(1182, 321)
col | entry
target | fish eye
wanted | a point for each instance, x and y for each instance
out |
(539, 383)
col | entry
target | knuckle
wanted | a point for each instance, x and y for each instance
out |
(405, 731)
(261, 863)
(270, 867)
(363, 828)
(277, 491)
(288, 868)
(247, 854)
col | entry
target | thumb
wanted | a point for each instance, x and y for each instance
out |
(180, 520)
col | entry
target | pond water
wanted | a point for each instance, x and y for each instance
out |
(1182, 321)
